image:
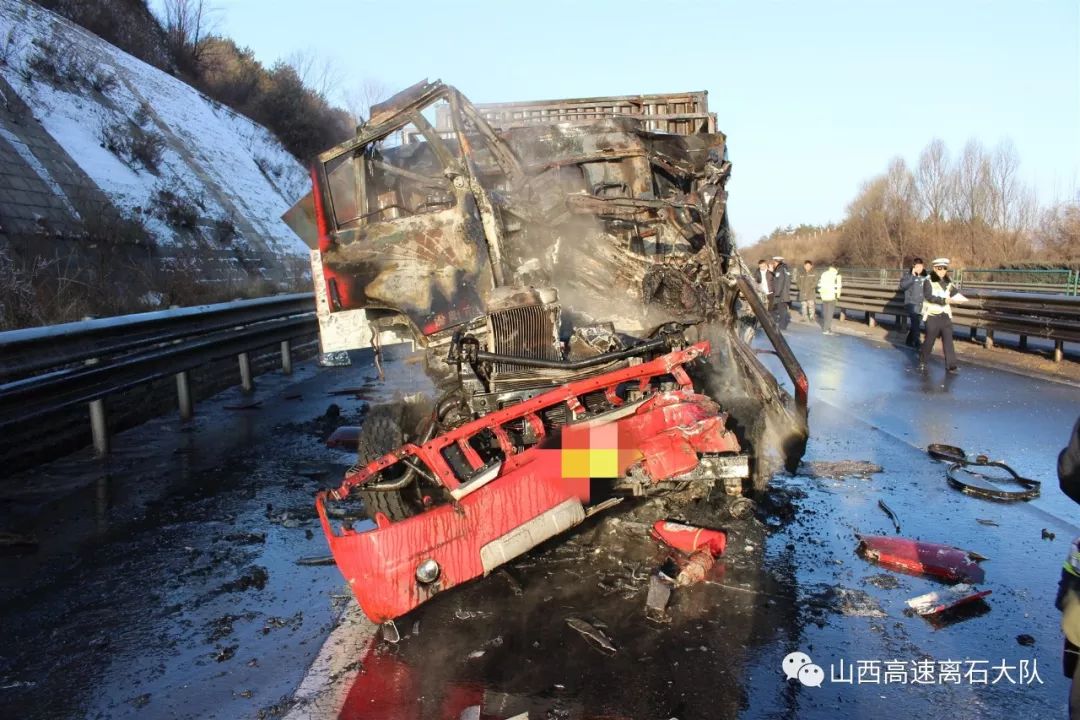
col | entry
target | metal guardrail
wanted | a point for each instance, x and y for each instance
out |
(46, 369)
(1065, 281)
(1053, 317)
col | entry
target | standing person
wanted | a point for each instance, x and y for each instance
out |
(829, 286)
(808, 291)
(764, 280)
(1068, 597)
(781, 292)
(911, 284)
(939, 293)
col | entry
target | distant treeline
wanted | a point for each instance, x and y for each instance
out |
(182, 43)
(973, 209)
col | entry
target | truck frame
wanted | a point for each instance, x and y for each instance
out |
(566, 271)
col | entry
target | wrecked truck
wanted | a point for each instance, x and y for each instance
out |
(565, 272)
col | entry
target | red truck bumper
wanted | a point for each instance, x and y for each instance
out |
(534, 494)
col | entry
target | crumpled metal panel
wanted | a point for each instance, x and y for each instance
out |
(380, 564)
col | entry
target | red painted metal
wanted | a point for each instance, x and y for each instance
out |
(689, 538)
(665, 433)
(431, 452)
(943, 561)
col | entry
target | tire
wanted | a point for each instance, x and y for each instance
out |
(381, 433)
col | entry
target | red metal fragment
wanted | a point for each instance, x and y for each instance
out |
(942, 561)
(346, 437)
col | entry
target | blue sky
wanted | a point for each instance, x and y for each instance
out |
(815, 96)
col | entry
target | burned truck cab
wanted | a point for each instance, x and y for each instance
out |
(563, 267)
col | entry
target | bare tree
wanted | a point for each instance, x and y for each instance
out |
(900, 203)
(1059, 231)
(188, 23)
(360, 97)
(1004, 186)
(932, 182)
(322, 74)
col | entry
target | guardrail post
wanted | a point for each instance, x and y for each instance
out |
(1059, 350)
(99, 425)
(973, 333)
(870, 319)
(1023, 342)
(286, 357)
(245, 372)
(183, 395)
(989, 342)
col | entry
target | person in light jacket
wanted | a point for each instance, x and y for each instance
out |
(911, 284)
(764, 280)
(939, 294)
(829, 287)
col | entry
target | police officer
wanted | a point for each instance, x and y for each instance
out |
(939, 293)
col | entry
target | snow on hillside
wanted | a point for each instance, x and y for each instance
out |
(210, 158)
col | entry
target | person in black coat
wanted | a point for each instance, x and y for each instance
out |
(781, 296)
(911, 284)
(1068, 599)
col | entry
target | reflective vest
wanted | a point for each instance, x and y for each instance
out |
(930, 309)
(1072, 562)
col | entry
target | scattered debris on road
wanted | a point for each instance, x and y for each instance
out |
(316, 560)
(689, 538)
(978, 483)
(940, 600)
(252, 405)
(593, 634)
(695, 569)
(839, 469)
(926, 558)
(892, 516)
(346, 437)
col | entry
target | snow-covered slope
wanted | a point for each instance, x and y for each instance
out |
(90, 96)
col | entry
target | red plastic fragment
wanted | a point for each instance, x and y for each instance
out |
(943, 561)
(689, 538)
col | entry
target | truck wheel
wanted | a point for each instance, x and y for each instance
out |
(381, 433)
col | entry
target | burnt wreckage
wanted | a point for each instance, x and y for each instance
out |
(567, 271)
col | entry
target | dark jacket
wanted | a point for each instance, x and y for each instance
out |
(1069, 466)
(781, 283)
(912, 287)
(807, 284)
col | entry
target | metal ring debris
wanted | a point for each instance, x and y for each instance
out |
(946, 452)
(1030, 487)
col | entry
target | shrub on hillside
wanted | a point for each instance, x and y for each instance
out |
(177, 211)
(134, 145)
(127, 24)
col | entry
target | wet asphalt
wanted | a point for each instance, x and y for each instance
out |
(165, 582)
